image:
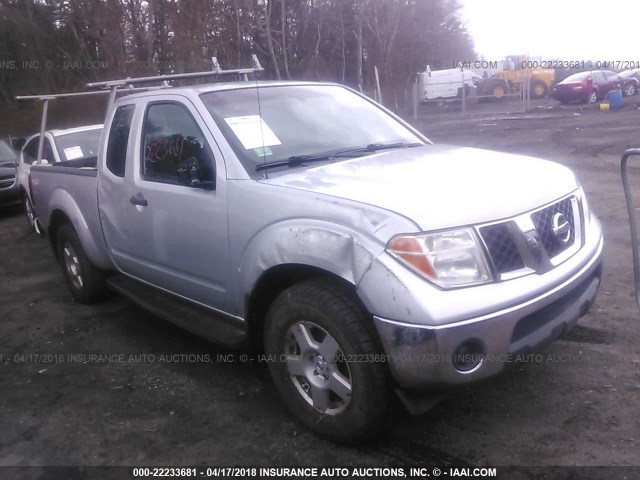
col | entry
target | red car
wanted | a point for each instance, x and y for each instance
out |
(587, 87)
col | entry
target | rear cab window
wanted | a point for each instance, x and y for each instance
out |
(119, 140)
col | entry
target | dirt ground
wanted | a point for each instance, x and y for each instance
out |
(145, 405)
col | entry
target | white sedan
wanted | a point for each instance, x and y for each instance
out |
(59, 146)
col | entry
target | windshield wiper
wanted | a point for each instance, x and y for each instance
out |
(374, 147)
(321, 157)
(301, 159)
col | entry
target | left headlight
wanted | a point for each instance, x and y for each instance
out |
(452, 258)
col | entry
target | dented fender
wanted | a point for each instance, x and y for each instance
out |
(333, 248)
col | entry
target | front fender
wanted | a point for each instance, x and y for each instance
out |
(333, 248)
(89, 233)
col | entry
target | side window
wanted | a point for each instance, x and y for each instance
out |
(47, 152)
(174, 149)
(30, 151)
(119, 139)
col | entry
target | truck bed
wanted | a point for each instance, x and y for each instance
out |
(71, 187)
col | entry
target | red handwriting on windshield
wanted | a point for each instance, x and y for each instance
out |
(159, 150)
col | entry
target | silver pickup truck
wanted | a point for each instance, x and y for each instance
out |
(308, 222)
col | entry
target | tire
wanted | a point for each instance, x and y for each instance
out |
(86, 282)
(499, 91)
(28, 211)
(629, 90)
(538, 89)
(593, 97)
(311, 330)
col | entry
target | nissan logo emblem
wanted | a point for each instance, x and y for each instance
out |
(561, 227)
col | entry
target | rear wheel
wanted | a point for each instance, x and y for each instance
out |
(28, 211)
(86, 282)
(593, 97)
(629, 89)
(323, 347)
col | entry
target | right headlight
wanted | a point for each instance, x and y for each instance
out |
(451, 258)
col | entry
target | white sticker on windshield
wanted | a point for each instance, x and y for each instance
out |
(252, 131)
(73, 152)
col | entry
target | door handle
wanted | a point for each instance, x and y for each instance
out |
(138, 199)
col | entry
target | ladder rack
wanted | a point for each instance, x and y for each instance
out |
(128, 85)
(217, 71)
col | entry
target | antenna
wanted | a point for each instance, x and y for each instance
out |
(258, 67)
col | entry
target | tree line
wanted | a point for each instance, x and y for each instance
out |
(58, 45)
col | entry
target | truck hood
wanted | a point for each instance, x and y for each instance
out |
(440, 186)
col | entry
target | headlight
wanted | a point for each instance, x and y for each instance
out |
(451, 258)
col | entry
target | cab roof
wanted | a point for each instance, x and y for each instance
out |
(219, 86)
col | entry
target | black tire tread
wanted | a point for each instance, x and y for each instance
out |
(357, 324)
(94, 287)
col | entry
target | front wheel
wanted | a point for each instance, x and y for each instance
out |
(592, 98)
(323, 348)
(86, 282)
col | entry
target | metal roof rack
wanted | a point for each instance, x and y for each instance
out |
(214, 72)
(127, 85)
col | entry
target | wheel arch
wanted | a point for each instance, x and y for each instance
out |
(57, 219)
(271, 284)
(63, 208)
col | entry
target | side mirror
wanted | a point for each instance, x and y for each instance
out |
(189, 172)
(44, 161)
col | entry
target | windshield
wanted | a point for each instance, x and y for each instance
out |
(75, 146)
(296, 120)
(7, 154)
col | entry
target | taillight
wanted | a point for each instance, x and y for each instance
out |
(33, 200)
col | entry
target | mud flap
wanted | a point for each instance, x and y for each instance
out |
(419, 403)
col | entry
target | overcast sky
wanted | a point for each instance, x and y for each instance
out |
(555, 29)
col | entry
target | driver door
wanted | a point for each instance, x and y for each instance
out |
(175, 206)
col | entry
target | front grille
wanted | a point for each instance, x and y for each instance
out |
(543, 221)
(511, 248)
(502, 248)
(7, 182)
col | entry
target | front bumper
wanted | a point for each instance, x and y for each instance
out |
(421, 356)
(421, 327)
